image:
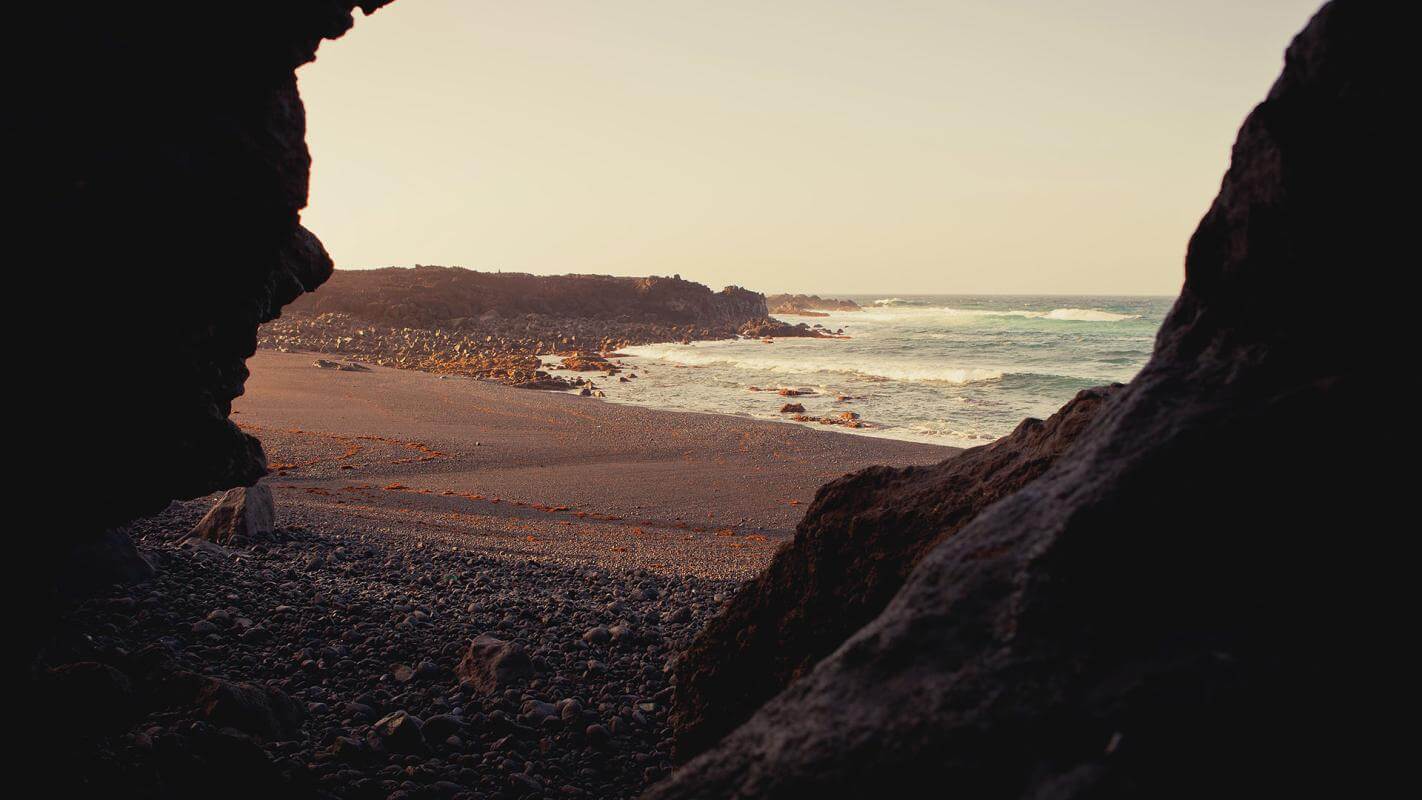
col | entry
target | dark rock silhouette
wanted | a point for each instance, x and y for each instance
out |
(91, 562)
(494, 326)
(173, 139)
(860, 539)
(1186, 603)
(431, 297)
(262, 711)
(803, 303)
(169, 139)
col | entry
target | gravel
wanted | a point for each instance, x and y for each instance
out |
(366, 632)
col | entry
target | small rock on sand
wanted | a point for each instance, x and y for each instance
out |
(242, 516)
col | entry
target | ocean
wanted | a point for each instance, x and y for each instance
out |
(952, 369)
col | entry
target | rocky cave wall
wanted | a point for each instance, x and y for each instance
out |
(859, 541)
(174, 143)
(1189, 601)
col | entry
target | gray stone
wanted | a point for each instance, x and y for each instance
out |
(241, 517)
(491, 665)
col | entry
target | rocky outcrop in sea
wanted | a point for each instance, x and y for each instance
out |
(807, 305)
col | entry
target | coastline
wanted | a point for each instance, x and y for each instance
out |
(546, 475)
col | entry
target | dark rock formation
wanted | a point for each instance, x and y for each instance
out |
(494, 326)
(807, 304)
(92, 562)
(771, 327)
(492, 665)
(432, 297)
(172, 139)
(262, 711)
(241, 517)
(91, 698)
(169, 142)
(1194, 600)
(859, 540)
(398, 732)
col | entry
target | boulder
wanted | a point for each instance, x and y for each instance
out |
(1202, 596)
(242, 516)
(792, 408)
(88, 564)
(858, 542)
(263, 711)
(491, 665)
(398, 732)
(86, 698)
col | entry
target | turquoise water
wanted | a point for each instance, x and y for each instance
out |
(952, 369)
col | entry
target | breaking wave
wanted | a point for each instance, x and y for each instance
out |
(801, 363)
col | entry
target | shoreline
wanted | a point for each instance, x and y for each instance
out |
(539, 474)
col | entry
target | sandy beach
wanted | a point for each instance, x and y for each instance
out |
(547, 475)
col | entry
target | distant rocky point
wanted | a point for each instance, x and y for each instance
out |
(428, 296)
(807, 305)
(495, 325)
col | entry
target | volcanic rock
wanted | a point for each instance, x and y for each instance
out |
(491, 665)
(263, 711)
(430, 296)
(89, 563)
(397, 732)
(859, 541)
(807, 305)
(88, 699)
(241, 517)
(191, 206)
(1188, 602)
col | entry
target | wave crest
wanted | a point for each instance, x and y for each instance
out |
(905, 308)
(693, 356)
(1088, 315)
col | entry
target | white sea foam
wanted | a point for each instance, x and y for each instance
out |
(788, 360)
(943, 369)
(903, 312)
(1088, 315)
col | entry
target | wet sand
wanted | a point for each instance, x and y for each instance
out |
(543, 475)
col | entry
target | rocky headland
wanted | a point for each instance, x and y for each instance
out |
(807, 305)
(496, 326)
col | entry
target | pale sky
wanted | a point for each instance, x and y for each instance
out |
(958, 146)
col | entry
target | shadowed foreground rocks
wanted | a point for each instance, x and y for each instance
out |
(359, 664)
(860, 539)
(1186, 603)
